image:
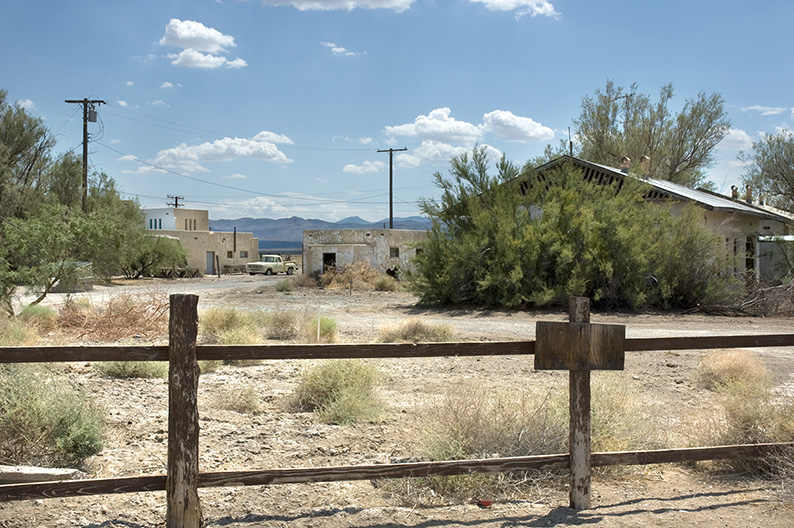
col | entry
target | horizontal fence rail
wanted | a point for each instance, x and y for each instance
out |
(59, 354)
(13, 492)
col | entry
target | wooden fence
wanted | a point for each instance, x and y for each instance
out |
(183, 477)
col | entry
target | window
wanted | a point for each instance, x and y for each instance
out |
(150, 223)
(160, 223)
(186, 226)
(394, 252)
(244, 254)
(229, 254)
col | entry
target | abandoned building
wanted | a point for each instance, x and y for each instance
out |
(208, 251)
(750, 228)
(386, 250)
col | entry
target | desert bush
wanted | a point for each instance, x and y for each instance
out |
(307, 280)
(386, 283)
(358, 276)
(133, 369)
(45, 421)
(339, 391)
(730, 366)
(283, 325)
(416, 331)
(124, 315)
(15, 333)
(243, 400)
(285, 286)
(321, 329)
(230, 326)
(43, 318)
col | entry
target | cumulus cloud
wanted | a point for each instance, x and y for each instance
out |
(737, 140)
(122, 104)
(167, 84)
(430, 152)
(521, 7)
(368, 167)
(339, 50)
(130, 83)
(766, 110)
(27, 104)
(202, 46)
(510, 127)
(327, 5)
(191, 158)
(438, 125)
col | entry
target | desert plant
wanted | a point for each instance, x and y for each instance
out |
(357, 276)
(44, 420)
(43, 318)
(285, 286)
(283, 325)
(15, 333)
(307, 280)
(386, 283)
(416, 331)
(243, 400)
(133, 369)
(723, 367)
(230, 326)
(321, 329)
(339, 391)
(123, 315)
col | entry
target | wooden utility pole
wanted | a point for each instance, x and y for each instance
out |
(88, 115)
(175, 204)
(391, 152)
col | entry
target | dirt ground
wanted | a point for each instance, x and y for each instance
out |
(136, 410)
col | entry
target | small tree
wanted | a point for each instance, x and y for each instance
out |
(771, 169)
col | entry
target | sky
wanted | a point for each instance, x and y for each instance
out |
(279, 108)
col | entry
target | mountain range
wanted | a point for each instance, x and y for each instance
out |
(286, 234)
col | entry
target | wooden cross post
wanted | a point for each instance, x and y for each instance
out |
(183, 508)
(579, 347)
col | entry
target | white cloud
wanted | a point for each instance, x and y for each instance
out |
(27, 104)
(130, 83)
(368, 167)
(737, 140)
(236, 176)
(122, 104)
(339, 50)
(254, 207)
(766, 110)
(157, 102)
(191, 158)
(167, 84)
(521, 7)
(365, 141)
(195, 35)
(430, 151)
(510, 127)
(438, 126)
(327, 5)
(202, 47)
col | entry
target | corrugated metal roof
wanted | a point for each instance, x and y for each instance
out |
(704, 198)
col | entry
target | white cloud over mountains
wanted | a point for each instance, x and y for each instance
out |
(328, 5)
(192, 158)
(521, 7)
(202, 46)
(444, 137)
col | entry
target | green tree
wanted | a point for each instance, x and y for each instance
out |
(516, 238)
(615, 123)
(770, 169)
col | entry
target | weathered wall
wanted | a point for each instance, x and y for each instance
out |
(374, 246)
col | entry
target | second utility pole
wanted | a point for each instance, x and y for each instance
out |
(88, 115)
(391, 152)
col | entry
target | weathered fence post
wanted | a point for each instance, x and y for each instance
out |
(183, 508)
(579, 347)
(579, 406)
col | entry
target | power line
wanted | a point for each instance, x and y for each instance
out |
(391, 152)
(89, 114)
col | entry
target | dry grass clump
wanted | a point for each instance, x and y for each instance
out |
(14, 332)
(230, 326)
(124, 315)
(133, 369)
(307, 280)
(358, 276)
(44, 420)
(416, 331)
(339, 391)
(729, 366)
(43, 318)
(285, 286)
(243, 400)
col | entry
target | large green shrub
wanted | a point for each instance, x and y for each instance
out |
(44, 420)
(494, 242)
(339, 391)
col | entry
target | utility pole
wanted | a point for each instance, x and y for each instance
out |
(175, 199)
(89, 114)
(391, 152)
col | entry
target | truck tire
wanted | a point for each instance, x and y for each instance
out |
(252, 274)
(268, 271)
(290, 271)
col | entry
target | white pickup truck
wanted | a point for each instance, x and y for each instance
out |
(271, 264)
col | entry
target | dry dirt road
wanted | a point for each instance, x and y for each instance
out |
(136, 411)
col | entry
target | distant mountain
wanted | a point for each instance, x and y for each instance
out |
(287, 233)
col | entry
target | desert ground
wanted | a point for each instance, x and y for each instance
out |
(274, 437)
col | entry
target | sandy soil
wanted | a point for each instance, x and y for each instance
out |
(669, 495)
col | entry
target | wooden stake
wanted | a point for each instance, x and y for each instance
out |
(183, 508)
(579, 390)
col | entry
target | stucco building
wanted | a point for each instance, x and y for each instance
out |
(206, 249)
(386, 250)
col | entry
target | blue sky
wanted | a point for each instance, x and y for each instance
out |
(275, 108)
